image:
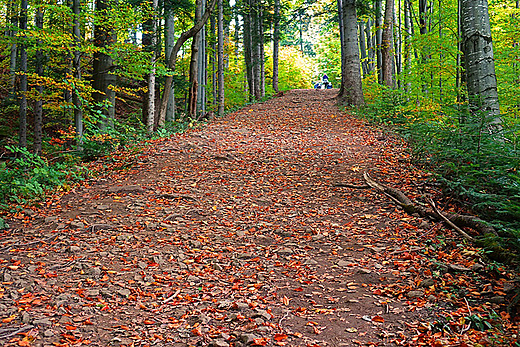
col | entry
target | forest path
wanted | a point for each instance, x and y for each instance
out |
(230, 234)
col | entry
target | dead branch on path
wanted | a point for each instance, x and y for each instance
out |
(454, 220)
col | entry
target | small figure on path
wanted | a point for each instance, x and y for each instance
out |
(326, 82)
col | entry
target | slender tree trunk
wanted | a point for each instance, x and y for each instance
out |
(76, 66)
(150, 121)
(12, 11)
(479, 61)
(363, 49)
(169, 42)
(202, 67)
(103, 66)
(342, 44)
(407, 48)
(441, 56)
(220, 25)
(248, 47)
(276, 43)
(194, 66)
(352, 91)
(213, 59)
(379, 40)
(38, 105)
(387, 49)
(262, 53)
(23, 75)
(370, 46)
(398, 45)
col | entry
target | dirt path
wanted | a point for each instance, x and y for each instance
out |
(233, 235)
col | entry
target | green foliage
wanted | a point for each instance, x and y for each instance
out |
(479, 169)
(28, 176)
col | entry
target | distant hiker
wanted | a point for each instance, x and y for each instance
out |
(317, 85)
(325, 78)
(326, 83)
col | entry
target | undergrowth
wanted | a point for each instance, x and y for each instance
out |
(26, 178)
(478, 167)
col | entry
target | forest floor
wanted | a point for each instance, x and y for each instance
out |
(233, 234)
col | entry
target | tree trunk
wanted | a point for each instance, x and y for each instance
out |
(150, 120)
(201, 68)
(169, 42)
(363, 48)
(38, 105)
(276, 43)
(13, 17)
(379, 40)
(194, 66)
(76, 66)
(213, 59)
(341, 40)
(370, 46)
(103, 66)
(407, 47)
(173, 56)
(23, 75)
(352, 91)
(387, 48)
(248, 48)
(477, 47)
(220, 26)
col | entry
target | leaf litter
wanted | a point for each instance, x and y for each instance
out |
(234, 235)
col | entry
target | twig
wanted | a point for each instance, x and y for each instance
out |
(281, 319)
(171, 297)
(450, 223)
(469, 324)
(16, 332)
(353, 186)
(413, 249)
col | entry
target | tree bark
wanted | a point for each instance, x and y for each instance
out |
(352, 91)
(370, 45)
(76, 66)
(103, 66)
(194, 66)
(341, 40)
(387, 48)
(13, 17)
(220, 73)
(150, 121)
(363, 48)
(38, 105)
(23, 75)
(477, 47)
(276, 43)
(173, 56)
(379, 40)
(169, 42)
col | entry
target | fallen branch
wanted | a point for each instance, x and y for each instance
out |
(450, 223)
(454, 220)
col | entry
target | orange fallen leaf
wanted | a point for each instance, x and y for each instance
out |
(149, 322)
(280, 337)
(378, 319)
(9, 319)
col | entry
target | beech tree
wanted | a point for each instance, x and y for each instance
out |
(351, 91)
(103, 76)
(387, 48)
(477, 46)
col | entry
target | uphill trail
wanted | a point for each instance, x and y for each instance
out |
(234, 234)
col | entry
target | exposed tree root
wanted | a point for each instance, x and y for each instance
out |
(454, 220)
